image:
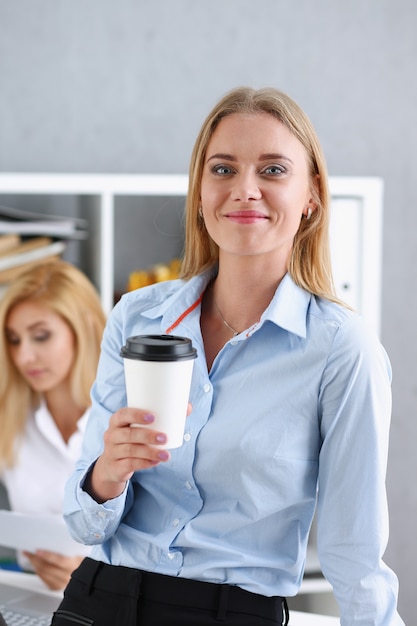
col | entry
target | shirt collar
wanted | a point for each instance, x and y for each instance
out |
(182, 301)
(287, 309)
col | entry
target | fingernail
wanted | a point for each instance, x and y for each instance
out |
(163, 455)
(148, 418)
(161, 438)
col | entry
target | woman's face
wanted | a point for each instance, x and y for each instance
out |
(255, 186)
(41, 345)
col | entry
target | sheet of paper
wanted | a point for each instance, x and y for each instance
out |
(38, 532)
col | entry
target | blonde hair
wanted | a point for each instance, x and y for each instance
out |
(309, 264)
(66, 291)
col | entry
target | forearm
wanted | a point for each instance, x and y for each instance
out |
(89, 521)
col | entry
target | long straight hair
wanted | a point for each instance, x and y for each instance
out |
(65, 290)
(309, 263)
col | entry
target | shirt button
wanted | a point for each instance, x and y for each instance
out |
(187, 437)
(188, 485)
(171, 555)
(175, 522)
(206, 388)
(101, 514)
(233, 342)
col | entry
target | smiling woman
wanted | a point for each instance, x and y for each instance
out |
(255, 188)
(51, 326)
(283, 406)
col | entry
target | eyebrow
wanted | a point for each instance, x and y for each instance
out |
(33, 326)
(222, 155)
(37, 324)
(268, 156)
(274, 155)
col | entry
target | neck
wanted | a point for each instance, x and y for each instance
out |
(238, 308)
(234, 302)
(241, 292)
(250, 272)
(64, 411)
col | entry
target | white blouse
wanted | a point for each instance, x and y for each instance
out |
(35, 484)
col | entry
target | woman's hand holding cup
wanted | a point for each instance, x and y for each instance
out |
(126, 450)
(158, 372)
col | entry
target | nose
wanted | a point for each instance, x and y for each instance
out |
(246, 187)
(24, 354)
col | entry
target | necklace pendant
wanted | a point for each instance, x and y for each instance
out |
(234, 332)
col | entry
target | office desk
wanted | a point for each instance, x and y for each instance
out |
(32, 582)
(28, 581)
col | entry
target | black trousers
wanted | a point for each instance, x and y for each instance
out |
(109, 595)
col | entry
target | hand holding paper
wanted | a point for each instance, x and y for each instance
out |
(32, 532)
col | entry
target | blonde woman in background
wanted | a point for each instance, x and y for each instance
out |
(51, 323)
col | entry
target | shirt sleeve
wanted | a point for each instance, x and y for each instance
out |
(352, 517)
(89, 522)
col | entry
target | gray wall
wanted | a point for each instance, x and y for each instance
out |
(104, 86)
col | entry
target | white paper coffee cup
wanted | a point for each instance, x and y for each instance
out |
(158, 371)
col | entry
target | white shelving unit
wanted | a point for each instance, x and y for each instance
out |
(356, 243)
(103, 192)
(356, 223)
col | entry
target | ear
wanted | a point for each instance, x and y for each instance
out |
(313, 200)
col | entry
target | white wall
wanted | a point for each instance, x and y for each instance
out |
(104, 86)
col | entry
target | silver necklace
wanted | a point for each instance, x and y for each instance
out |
(235, 332)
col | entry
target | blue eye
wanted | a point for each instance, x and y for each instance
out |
(274, 169)
(223, 170)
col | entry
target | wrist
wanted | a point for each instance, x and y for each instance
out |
(99, 488)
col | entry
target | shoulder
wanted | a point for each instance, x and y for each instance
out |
(151, 296)
(152, 309)
(326, 312)
(335, 316)
(146, 302)
(155, 300)
(350, 336)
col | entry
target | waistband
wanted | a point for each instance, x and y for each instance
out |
(221, 598)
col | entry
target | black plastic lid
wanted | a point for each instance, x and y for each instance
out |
(158, 348)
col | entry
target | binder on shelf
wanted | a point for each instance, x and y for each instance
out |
(20, 247)
(26, 223)
(26, 254)
(63, 229)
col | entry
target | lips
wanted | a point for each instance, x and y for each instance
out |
(34, 373)
(246, 216)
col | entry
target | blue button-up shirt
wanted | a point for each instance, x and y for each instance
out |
(296, 408)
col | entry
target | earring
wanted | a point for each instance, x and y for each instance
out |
(309, 212)
(200, 218)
